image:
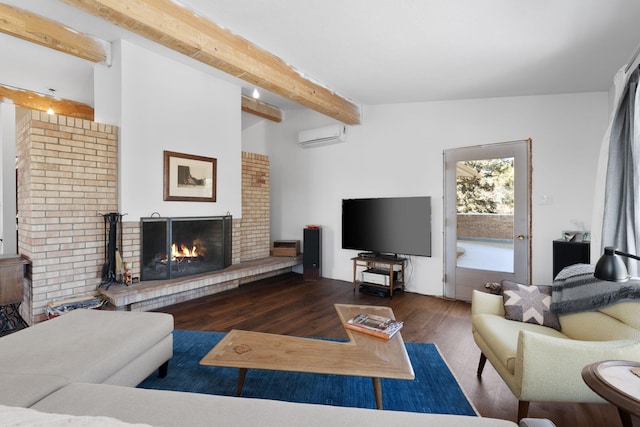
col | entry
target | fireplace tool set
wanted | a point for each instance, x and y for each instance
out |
(113, 267)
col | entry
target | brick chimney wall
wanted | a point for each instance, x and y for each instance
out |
(68, 178)
(255, 229)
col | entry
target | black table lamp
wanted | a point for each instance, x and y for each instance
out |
(611, 267)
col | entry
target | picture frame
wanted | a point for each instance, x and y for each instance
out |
(189, 178)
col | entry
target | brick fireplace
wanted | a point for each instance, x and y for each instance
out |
(67, 179)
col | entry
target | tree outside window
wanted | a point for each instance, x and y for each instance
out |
(489, 189)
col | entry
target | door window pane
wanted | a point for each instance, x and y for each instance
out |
(484, 210)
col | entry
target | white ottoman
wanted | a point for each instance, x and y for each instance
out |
(91, 346)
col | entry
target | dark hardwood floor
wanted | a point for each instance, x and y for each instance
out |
(288, 305)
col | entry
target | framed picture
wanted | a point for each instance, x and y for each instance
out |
(189, 178)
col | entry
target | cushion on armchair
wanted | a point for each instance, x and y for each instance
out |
(529, 304)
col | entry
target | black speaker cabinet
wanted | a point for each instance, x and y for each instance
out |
(312, 254)
(568, 253)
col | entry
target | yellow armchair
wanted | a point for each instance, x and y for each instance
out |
(539, 363)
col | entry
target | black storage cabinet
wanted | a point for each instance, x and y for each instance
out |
(566, 253)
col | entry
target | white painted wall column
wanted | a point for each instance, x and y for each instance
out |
(9, 243)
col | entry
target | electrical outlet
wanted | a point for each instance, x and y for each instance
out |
(546, 199)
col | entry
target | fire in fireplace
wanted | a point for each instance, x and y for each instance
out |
(183, 246)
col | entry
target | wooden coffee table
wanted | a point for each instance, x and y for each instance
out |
(362, 355)
(614, 381)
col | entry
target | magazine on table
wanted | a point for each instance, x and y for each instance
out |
(379, 326)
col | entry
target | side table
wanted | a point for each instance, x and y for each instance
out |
(11, 292)
(614, 381)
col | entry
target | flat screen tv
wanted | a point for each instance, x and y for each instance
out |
(387, 226)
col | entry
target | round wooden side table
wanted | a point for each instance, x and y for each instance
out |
(616, 382)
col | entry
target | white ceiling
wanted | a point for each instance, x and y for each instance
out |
(381, 51)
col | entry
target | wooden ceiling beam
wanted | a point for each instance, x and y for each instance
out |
(39, 102)
(36, 29)
(168, 23)
(261, 109)
(33, 28)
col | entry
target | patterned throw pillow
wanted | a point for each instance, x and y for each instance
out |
(529, 304)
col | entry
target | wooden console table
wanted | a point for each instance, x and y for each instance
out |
(386, 267)
(11, 292)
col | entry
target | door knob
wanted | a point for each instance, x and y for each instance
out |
(521, 236)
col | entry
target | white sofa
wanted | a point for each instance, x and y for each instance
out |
(81, 369)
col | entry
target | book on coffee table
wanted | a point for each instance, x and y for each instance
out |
(378, 326)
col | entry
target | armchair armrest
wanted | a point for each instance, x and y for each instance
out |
(549, 368)
(485, 303)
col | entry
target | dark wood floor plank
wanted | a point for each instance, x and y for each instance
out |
(288, 305)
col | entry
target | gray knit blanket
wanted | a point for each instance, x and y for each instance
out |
(575, 289)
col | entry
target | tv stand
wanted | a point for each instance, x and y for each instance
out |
(383, 265)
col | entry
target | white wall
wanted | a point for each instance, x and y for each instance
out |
(397, 151)
(160, 105)
(9, 243)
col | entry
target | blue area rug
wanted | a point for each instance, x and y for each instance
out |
(434, 390)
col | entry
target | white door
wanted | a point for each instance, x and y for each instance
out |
(487, 216)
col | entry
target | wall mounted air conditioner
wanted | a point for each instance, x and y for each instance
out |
(322, 136)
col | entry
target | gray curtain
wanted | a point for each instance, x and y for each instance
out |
(622, 189)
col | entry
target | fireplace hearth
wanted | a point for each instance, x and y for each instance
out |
(183, 246)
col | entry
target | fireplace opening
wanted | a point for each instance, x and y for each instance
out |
(183, 246)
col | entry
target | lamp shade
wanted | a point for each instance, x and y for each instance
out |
(611, 267)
